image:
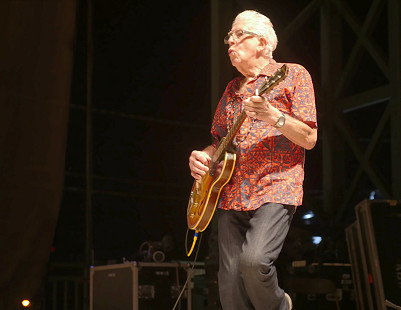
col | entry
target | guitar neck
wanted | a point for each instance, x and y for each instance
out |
(227, 141)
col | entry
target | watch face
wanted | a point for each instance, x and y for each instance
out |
(280, 121)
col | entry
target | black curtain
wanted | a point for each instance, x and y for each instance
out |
(36, 57)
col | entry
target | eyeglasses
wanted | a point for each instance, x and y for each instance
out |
(237, 34)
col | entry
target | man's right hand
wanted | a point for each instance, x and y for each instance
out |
(199, 164)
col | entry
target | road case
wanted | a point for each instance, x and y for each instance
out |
(374, 243)
(140, 286)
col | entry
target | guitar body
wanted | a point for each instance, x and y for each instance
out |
(205, 195)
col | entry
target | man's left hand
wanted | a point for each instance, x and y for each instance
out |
(259, 107)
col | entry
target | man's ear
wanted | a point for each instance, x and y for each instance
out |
(262, 44)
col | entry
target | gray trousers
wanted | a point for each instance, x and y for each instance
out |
(249, 244)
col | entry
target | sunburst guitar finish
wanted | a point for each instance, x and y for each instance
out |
(205, 194)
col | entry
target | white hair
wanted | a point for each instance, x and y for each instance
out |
(261, 25)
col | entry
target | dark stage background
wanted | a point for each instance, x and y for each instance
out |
(151, 107)
(150, 95)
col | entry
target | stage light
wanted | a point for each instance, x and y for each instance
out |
(316, 239)
(308, 215)
(372, 195)
(25, 303)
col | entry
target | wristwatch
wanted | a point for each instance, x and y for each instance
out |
(280, 121)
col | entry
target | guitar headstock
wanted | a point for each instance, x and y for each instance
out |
(275, 79)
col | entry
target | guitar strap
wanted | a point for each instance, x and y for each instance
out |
(237, 112)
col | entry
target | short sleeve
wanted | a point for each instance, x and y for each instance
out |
(303, 104)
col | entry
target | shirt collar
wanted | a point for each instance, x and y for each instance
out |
(270, 68)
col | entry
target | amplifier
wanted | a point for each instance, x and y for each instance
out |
(139, 286)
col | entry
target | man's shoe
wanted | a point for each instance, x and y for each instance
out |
(288, 300)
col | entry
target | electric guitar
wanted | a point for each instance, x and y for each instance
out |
(206, 191)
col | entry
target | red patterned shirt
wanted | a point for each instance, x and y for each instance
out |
(269, 167)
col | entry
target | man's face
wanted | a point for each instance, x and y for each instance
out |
(241, 51)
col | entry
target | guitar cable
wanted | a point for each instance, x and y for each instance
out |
(193, 263)
(193, 242)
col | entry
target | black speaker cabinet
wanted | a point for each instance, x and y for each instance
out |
(374, 244)
(139, 286)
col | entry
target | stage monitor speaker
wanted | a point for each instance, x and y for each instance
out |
(139, 286)
(374, 246)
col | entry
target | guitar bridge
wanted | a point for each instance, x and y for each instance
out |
(194, 205)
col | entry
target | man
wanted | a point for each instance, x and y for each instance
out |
(257, 205)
